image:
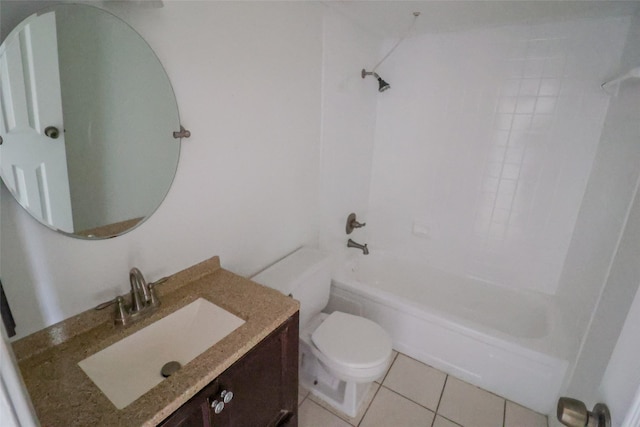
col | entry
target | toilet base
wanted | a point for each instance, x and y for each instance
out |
(345, 396)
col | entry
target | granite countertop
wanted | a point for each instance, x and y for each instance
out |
(63, 395)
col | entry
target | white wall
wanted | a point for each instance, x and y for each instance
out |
(247, 77)
(607, 199)
(602, 270)
(622, 376)
(610, 315)
(348, 124)
(485, 144)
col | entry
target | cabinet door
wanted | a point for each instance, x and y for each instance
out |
(194, 413)
(264, 383)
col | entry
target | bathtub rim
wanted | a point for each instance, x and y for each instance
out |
(551, 346)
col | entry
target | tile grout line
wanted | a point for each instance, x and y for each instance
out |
(379, 387)
(451, 421)
(390, 367)
(369, 406)
(440, 399)
(442, 392)
(410, 400)
(305, 398)
(504, 413)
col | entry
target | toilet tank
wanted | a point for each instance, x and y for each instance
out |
(305, 275)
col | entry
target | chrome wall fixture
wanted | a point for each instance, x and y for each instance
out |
(182, 133)
(364, 248)
(353, 223)
(612, 86)
(382, 84)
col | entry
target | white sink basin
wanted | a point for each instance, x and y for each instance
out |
(129, 368)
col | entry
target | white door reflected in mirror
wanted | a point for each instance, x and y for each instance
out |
(34, 165)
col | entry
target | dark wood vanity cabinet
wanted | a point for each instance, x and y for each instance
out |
(264, 383)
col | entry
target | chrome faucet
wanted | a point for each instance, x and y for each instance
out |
(364, 248)
(143, 295)
(144, 299)
(140, 295)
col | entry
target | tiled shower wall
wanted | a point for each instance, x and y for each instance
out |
(485, 143)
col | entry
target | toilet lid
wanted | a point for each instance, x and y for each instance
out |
(352, 340)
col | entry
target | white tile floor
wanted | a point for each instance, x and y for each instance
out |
(413, 394)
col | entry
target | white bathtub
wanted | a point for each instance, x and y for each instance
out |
(502, 340)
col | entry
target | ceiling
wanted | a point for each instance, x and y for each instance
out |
(393, 18)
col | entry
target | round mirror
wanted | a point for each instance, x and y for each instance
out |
(87, 121)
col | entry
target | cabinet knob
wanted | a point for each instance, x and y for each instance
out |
(217, 406)
(226, 396)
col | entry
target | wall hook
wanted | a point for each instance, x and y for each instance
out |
(183, 133)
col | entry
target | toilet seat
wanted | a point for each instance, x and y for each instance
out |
(353, 347)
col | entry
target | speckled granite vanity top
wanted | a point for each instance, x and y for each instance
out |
(63, 395)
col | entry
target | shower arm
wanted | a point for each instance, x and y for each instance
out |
(634, 73)
(364, 73)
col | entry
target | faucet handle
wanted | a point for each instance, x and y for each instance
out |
(121, 314)
(352, 223)
(154, 301)
(106, 304)
(159, 281)
(356, 224)
(117, 300)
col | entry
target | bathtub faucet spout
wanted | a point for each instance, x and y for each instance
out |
(364, 248)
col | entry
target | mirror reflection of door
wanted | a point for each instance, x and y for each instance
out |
(34, 165)
(117, 155)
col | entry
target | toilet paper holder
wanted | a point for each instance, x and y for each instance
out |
(574, 413)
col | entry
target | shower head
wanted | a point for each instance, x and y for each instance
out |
(382, 85)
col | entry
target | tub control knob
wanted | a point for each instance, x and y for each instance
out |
(217, 406)
(226, 396)
(352, 223)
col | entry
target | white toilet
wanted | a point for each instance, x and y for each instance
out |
(340, 354)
